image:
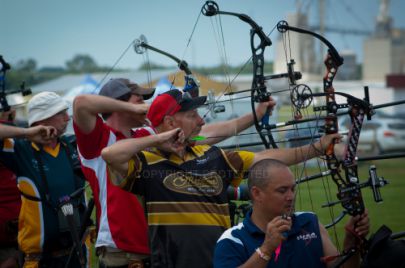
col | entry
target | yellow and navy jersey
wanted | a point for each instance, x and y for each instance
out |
(186, 200)
(38, 221)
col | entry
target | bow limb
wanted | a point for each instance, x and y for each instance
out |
(191, 83)
(259, 89)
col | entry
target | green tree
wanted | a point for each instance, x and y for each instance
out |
(22, 71)
(81, 64)
(152, 66)
(28, 66)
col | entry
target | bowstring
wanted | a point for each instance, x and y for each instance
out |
(115, 64)
(224, 64)
(326, 182)
(146, 60)
(298, 172)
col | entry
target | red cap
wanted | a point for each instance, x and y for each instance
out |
(171, 102)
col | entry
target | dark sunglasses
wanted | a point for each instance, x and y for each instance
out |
(184, 97)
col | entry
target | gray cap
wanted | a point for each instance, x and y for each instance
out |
(118, 87)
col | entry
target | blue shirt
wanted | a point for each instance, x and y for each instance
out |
(303, 247)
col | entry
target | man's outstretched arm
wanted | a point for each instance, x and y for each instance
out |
(39, 134)
(217, 132)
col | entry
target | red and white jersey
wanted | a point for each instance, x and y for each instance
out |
(143, 132)
(120, 216)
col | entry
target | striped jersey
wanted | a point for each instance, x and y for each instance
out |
(186, 200)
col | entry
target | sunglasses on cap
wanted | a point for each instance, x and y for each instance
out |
(185, 97)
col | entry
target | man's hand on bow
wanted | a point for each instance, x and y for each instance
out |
(357, 228)
(326, 140)
(263, 107)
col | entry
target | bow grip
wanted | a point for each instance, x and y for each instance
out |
(266, 118)
(264, 97)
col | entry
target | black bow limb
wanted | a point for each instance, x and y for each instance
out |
(258, 43)
(192, 85)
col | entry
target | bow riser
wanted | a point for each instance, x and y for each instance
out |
(259, 89)
(356, 206)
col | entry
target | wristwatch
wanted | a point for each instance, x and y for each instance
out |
(262, 255)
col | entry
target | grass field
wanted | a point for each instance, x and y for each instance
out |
(390, 212)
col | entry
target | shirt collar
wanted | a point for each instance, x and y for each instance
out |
(249, 225)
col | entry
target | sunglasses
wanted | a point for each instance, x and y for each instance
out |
(184, 97)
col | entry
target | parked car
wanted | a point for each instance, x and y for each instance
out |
(303, 134)
(379, 135)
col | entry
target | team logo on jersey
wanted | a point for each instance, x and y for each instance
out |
(202, 161)
(187, 183)
(307, 237)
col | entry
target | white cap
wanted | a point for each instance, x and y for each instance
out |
(44, 105)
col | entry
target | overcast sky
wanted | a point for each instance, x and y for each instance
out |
(53, 31)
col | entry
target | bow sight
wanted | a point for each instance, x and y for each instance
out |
(13, 97)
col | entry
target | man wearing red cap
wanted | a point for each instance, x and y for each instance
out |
(122, 228)
(185, 186)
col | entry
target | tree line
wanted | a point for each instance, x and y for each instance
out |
(27, 70)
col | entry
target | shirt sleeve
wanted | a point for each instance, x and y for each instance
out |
(91, 144)
(7, 154)
(229, 254)
(127, 182)
(240, 162)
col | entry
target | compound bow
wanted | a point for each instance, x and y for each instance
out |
(349, 193)
(349, 186)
